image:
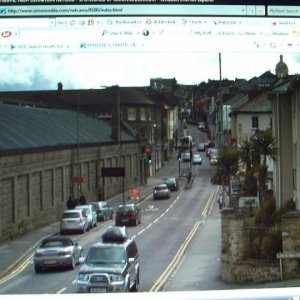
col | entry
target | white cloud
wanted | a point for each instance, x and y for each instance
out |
(93, 70)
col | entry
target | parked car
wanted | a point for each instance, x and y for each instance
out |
(111, 265)
(201, 147)
(161, 191)
(57, 251)
(73, 220)
(104, 210)
(186, 157)
(214, 160)
(172, 184)
(127, 214)
(197, 160)
(201, 125)
(89, 213)
(213, 152)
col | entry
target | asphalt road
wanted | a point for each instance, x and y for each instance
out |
(165, 226)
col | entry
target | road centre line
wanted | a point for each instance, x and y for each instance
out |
(171, 267)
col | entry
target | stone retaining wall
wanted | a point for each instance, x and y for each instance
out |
(35, 187)
(236, 267)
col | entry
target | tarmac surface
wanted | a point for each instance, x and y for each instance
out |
(204, 249)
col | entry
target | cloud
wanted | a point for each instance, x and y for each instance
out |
(93, 70)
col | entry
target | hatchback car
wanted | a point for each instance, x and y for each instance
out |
(214, 160)
(89, 213)
(57, 251)
(128, 214)
(172, 184)
(161, 191)
(197, 160)
(201, 147)
(186, 157)
(111, 265)
(104, 210)
(73, 220)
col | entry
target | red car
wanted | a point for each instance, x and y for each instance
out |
(128, 214)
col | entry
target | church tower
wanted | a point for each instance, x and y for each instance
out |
(281, 69)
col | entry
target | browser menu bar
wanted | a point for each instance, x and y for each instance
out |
(179, 34)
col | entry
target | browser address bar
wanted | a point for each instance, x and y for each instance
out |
(141, 9)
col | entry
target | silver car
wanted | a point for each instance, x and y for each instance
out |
(161, 191)
(73, 220)
(104, 210)
(57, 251)
(89, 213)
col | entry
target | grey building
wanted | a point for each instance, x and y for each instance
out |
(46, 155)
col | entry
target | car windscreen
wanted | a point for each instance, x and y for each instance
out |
(106, 255)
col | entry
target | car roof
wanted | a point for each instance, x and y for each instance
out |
(73, 210)
(57, 238)
(127, 204)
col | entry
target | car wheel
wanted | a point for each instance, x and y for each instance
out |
(37, 269)
(135, 287)
(73, 264)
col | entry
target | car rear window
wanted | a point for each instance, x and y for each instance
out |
(124, 208)
(71, 215)
(171, 180)
(161, 187)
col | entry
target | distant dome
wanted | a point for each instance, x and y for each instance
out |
(281, 69)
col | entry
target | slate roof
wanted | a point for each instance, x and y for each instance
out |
(27, 127)
(260, 104)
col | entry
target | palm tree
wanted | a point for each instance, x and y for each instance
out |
(228, 165)
(246, 156)
(264, 146)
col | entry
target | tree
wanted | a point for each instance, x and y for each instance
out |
(228, 165)
(263, 147)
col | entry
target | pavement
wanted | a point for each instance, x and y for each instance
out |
(204, 274)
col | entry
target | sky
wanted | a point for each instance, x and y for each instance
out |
(97, 70)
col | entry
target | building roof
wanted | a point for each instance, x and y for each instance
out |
(28, 127)
(259, 104)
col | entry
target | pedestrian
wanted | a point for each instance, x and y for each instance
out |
(71, 203)
(82, 200)
(221, 201)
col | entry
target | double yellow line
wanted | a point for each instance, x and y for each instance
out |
(18, 269)
(171, 267)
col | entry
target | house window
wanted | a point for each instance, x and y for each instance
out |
(142, 114)
(131, 114)
(254, 122)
